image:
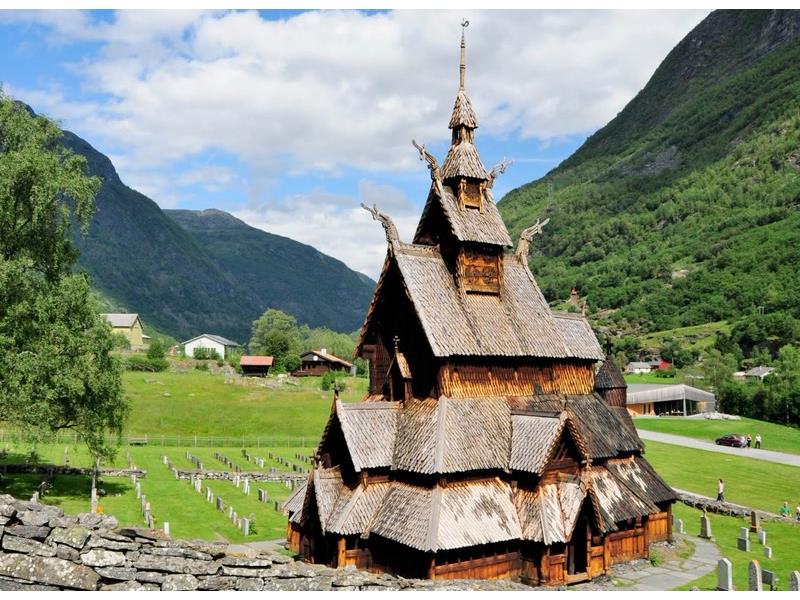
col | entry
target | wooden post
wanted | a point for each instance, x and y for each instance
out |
(432, 567)
(340, 554)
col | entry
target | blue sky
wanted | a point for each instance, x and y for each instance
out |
(290, 119)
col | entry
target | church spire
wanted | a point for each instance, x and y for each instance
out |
(463, 67)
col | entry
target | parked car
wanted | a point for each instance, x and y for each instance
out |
(732, 439)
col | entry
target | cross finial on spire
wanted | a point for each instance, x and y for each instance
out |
(463, 67)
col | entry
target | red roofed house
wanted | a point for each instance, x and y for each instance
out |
(319, 362)
(255, 366)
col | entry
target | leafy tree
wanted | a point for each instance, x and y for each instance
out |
(55, 368)
(121, 341)
(156, 349)
(275, 334)
(292, 362)
(718, 368)
(785, 385)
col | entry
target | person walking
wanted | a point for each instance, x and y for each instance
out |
(758, 440)
(749, 440)
(721, 492)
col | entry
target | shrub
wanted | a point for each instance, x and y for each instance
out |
(155, 350)
(206, 354)
(292, 362)
(220, 362)
(201, 366)
(327, 381)
(138, 362)
(121, 341)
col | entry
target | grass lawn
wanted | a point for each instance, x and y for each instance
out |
(784, 538)
(748, 481)
(203, 404)
(650, 378)
(175, 501)
(775, 437)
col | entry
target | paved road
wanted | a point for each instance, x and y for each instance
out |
(679, 440)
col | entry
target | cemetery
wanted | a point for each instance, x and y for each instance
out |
(186, 505)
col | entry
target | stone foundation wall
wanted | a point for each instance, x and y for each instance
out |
(42, 549)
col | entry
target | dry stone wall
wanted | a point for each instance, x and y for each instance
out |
(42, 549)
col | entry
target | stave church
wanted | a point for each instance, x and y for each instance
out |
(494, 441)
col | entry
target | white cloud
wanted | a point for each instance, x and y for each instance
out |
(337, 225)
(329, 90)
(339, 92)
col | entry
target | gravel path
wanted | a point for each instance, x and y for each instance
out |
(759, 454)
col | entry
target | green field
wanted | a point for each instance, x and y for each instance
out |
(784, 538)
(188, 513)
(748, 481)
(203, 404)
(775, 437)
(650, 378)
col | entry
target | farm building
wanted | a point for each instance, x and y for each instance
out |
(668, 399)
(255, 366)
(482, 448)
(210, 342)
(129, 325)
(319, 362)
(759, 373)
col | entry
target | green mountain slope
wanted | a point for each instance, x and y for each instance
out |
(684, 209)
(280, 272)
(143, 261)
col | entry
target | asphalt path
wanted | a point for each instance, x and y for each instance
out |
(759, 454)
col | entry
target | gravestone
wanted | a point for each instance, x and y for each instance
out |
(175, 472)
(276, 506)
(743, 541)
(198, 485)
(144, 502)
(724, 575)
(769, 578)
(755, 522)
(138, 489)
(166, 527)
(209, 495)
(235, 518)
(754, 577)
(679, 526)
(220, 504)
(762, 537)
(246, 526)
(230, 512)
(246, 487)
(236, 480)
(794, 581)
(768, 551)
(262, 495)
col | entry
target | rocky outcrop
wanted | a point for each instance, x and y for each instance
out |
(42, 549)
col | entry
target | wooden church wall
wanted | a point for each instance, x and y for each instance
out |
(470, 378)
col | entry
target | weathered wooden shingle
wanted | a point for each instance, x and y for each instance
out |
(445, 518)
(548, 513)
(450, 435)
(369, 429)
(467, 225)
(616, 501)
(532, 440)
(327, 486)
(518, 322)
(639, 475)
(578, 335)
(600, 427)
(463, 160)
(609, 377)
(355, 509)
(463, 113)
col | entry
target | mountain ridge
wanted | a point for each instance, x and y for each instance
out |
(143, 260)
(668, 215)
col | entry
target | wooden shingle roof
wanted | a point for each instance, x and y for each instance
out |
(518, 322)
(445, 518)
(369, 430)
(355, 509)
(485, 227)
(463, 113)
(463, 160)
(449, 435)
(548, 513)
(615, 501)
(532, 440)
(640, 475)
(578, 335)
(609, 377)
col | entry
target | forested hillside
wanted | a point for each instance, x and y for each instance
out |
(206, 271)
(685, 208)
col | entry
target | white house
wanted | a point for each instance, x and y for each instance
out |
(638, 368)
(212, 342)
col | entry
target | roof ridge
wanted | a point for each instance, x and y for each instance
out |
(441, 425)
(432, 538)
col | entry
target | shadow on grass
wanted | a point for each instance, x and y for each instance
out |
(64, 488)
